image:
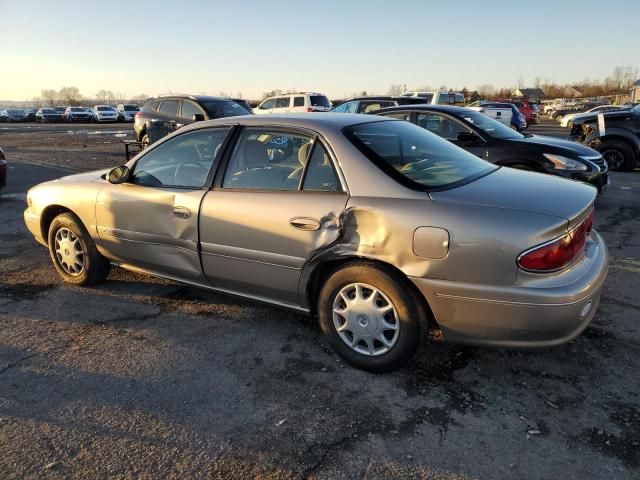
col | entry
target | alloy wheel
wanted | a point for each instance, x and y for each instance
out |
(69, 252)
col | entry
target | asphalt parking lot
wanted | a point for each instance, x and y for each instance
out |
(146, 378)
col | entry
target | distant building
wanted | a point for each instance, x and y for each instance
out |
(573, 92)
(533, 94)
(635, 91)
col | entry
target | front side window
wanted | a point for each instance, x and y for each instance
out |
(189, 109)
(372, 107)
(264, 159)
(169, 107)
(399, 115)
(183, 161)
(442, 126)
(282, 102)
(415, 157)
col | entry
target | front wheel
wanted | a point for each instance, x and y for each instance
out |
(619, 155)
(370, 317)
(73, 252)
(145, 141)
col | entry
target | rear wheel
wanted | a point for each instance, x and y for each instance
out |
(74, 253)
(370, 317)
(145, 141)
(619, 155)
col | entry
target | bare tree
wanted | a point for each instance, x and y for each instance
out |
(105, 96)
(49, 97)
(537, 82)
(395, 89)
(486, 90)
(70, 95)
(272, 93)
(141, 98)
(119, 97)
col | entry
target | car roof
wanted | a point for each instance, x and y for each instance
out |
(199, 98)
(320, 121)
(372, 97)
(426, 106)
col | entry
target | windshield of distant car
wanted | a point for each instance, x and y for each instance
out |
(105, 109)
(415, 156)
(47, 110)
(131, 108)
(319, 101)
(636, 110)
(15, 112)
(490, 126)
(224, 108)
(77, 109)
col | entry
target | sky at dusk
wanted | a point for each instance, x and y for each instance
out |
(334, 47)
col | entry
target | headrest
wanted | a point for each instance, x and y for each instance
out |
(303, 153)
(255, 154)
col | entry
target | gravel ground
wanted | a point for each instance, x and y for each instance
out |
(145, 378)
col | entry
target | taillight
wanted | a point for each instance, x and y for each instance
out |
(137, 115)
(309, 109)
(557, 253)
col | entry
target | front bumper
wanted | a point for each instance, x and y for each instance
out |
(32, 221)
(547, 311)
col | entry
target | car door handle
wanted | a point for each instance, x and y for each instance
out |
(182, 212)
(305, 223)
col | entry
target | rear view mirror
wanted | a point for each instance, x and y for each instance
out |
(467, 138)
(118, 175)
(198, 117)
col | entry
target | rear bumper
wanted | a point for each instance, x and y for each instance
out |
(540, 315)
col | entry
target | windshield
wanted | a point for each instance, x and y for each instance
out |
(77, 109)
(490, 126)
(15, 112)
(48, 110)
(224, 108)
(636, 110)
(415, 157)
(105, 109)
(131, 108)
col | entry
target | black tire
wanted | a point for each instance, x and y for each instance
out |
(95, 267)
(619, 155)
(411, 315)
(145, 141)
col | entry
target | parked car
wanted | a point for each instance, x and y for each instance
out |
(528, 110)
(105, 113)
(12, 115)
(368, 104)
(502, 112)
(439, 98)
(127, 112)
(498, 144)
(244, 104)
(92, 114)
(48, 115)
(618, 141)
(3, 169)
(163, 115)
(61, 109)
(294, 102)
(77, 114)
(567, 119)
(383, 230)
(30, 114)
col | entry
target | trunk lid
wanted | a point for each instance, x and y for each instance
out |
(513, 189)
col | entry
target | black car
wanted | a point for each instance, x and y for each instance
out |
(616, 137)
(161, 116)
(244, 104)
(372, 103)
(47, 115)
(492, 141)
(30, 114)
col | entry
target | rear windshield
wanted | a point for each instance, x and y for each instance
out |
(131, 108)
(414, 156)
(319, 101)
(224, 108)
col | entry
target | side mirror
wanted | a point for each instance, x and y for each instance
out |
(198, 117)
(467, 138)
(119, 175)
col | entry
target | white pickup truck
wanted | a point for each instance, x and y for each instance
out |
(501, 112)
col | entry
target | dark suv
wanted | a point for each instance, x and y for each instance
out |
(161, 116)
(614, 134)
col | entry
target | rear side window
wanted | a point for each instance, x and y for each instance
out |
(169, 107)
(189, 109)
(153, 104)
(268, 104)
(319, 101)
(415, 157)
(282, 102)
(298, 101)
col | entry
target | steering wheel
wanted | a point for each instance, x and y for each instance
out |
(190, 174)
